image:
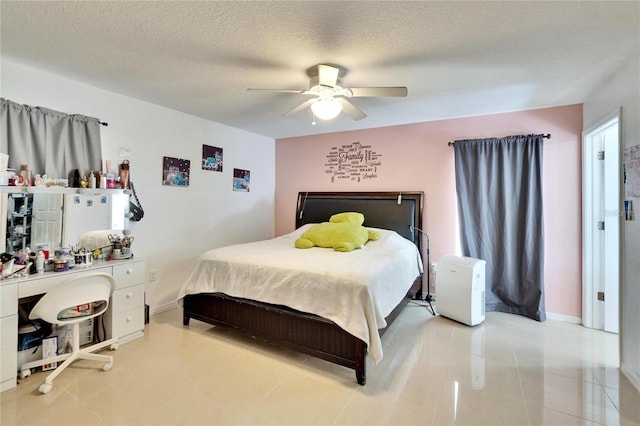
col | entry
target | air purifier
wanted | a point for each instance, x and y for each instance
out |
(460, 289)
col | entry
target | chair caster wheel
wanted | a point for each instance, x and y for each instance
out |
(25, 373)
(45, 387)
(107, 366)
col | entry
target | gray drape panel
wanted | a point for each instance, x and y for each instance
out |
(499, 186)
(52, 143)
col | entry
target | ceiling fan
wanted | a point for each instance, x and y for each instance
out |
(329, 98)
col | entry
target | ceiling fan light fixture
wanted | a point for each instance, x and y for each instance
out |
(329, 98)
(326, 108)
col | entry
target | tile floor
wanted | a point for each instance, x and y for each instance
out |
(508, 370)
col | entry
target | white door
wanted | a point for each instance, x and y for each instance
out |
(601, 225)
(47, 220)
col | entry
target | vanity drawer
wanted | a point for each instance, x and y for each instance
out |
(8, 300)
(127, 298)
(42, 283)
(128, 274)
(128, 322)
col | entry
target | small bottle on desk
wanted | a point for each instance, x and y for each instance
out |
(40, 262)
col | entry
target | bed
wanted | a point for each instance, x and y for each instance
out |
(250, 288)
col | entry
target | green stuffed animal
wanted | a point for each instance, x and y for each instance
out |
(343, 232)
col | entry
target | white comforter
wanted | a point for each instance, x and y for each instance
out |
(356, 289)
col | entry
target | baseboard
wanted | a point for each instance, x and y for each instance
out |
(162, 308)
(550, 316)
(564, 318)
(633, 378)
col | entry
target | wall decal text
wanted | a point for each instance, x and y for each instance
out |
(352, 162)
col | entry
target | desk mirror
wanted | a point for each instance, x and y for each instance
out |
(58, 219)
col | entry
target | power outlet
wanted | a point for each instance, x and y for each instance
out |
(153, 275)
(434, 267)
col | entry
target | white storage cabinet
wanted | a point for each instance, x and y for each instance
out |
(127, 303)
(8, 335)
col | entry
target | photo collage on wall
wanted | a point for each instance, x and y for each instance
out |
(177, 171)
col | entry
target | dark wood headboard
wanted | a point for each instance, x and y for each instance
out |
(380, 209)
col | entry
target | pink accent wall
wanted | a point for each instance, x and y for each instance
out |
(416, 157)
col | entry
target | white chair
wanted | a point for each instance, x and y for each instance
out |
(93, 289)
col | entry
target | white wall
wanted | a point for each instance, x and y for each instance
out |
(623, 90)
(179, 222)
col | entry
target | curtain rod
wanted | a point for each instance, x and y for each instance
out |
(103, 123)
(547, 136)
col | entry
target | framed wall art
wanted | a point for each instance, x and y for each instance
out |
(175, 171)
(241, 180)
(211, 158)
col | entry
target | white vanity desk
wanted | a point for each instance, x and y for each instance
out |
(124, 319)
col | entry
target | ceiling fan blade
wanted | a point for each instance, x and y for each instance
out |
(378, 91)
(300, 107)
(327, 75)
(278, 90)
(351, 110)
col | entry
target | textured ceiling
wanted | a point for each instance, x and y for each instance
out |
(456, 58)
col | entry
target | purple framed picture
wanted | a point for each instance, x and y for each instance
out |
(241, 180)
(211, 158)
(175, 171)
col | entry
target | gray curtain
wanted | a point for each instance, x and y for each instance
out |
(52, 143)
(499, 186)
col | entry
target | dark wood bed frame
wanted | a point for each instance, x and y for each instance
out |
(304, 332)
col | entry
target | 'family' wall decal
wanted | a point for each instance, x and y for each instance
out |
(354, 162)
